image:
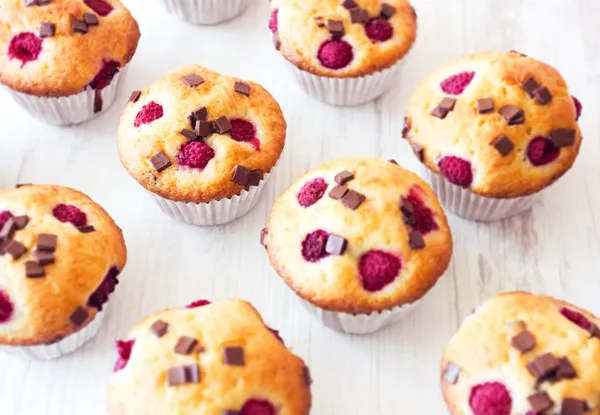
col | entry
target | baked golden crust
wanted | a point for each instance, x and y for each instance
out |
(482, 350)
(333, 282)
(271, 372)
(301, 38)
(467, 134)
(42, 306)
(217, 94)
(69, 61)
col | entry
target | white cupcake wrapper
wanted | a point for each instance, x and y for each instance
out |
(72, 109)
(55, 350)
(205, 11)
(346, 91)
(359, 323)
(469, 205)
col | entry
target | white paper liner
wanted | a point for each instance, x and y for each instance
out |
(469, 205)
(65, 346)
(205, 11)
(346, 91)
(72, 109)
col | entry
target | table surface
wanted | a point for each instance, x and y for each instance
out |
(552, 249)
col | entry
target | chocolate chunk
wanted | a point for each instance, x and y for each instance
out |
(344, 177)
(543, 366)
(338, 192)
(3, 245)
(15, 249)
(393, 161)
(222, 125)
(443, 108)
(20, 221)
(22, 184)
(34, 270)
(190, 135)
(518, 53)
(352, 200)
(79, 316)
(530, 85)
(8, 229)
(563, 137)
(573, 407)
(46, 242)
(387, 10)
(43, 257)
(263, 236)
(86, 229)
(349, 4)
(47, 29)
(335, 27)
(336, 245)
(135, 95)
(543, 95)
(406, 128)
(277, 41)
(540, 402)
(200, 114)
(160, 161)
(233, 356)
(181, 375)
(523, 342)
(407, 209)
(204, 128)
(451, 373)
(419, 152)
(91, 19)
(79, 26)
(415, 240)
(230, 412)
(306, 375)
(185, 345)
(254, 178)
(485, 105)
(512, 115)
(565, 370)
(320, 24)
(242, 88)
(359, 15)
(503, 145)
(594, 331)
(159, 328)
(192, 80)
(241, 175)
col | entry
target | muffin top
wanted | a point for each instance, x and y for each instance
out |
(60, 255)
(197, 136)
(524, 354)
(358, 235)
(215, 358)
(499, 123)
(343, 38)
(59, 47)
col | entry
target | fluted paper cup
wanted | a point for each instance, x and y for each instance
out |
(202, 12)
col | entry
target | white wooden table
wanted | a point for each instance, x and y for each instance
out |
(554, 249)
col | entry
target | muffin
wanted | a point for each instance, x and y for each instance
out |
(524, 354)
(203, 144)
(64, 61)
(360, 240)
(492, 130)
(60, 255)
(202, 12)
(207, 359)
(343, 52)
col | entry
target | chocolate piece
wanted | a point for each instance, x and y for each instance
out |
(594, 331)
(306, 375)
(335, 27)
(181, 375)
(406, 127)
(188, 134)
(338, 192)
(523, 342)
(8, 229)
(203, 128)
(352, 200)
(451, 373)
(563, 137)
(79, 26)
(344, 177)
(159, 328)
(543, 366)
(512, 115)
(222, 125)
(263, 235)
(233, 356)
(230, 412)
(393, 161)
(485, 106)
(20, 221)
(200, 114)
(46, 242)
(254, 178)
(192, 80)
(349, 4)
(443, 108)
(135, 95)
(86, 229)
(43, 257)
(418, 150)
(503, 145)
(47, 29)
(79, 316)
(543, 95)
(565, 370)
(241, 175)
(22, 184)
(34, 270)
(201, 349)
(336, 245)
(530, 85)
(407, 210)
(160, 161)
(242, 88)
(3, 245)
(320, 24)
(387, 10)
(277, 41)
(185, 345)
(91, 19)
(359, 15)
(415, 240)
(518, 53)
(540, 402)
(15, 248)
(573, 407)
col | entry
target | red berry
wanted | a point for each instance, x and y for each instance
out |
(25, 47)
(195, 154)
(378, 269)
(124, 348)
(313, 246)
(423, 216)
(456, 170)
(70, 214)
(244, 131)
(149, 113)
(541, 151)
(106, 287)
(256, 407)
(578, 107)
(274, 21)
(490, 399)
(379, 30)
(6, 308)
(99, 6)
(312, 192)
(104, 77)
(456, 84)
(198, 303)
(576, 318)
(335, 54)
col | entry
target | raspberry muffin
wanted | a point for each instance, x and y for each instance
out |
(524, 354)
(493, 130)
(64, 60)
(203, 144)
(54, 279)
(207, 359)
(202, 12)
(343, 52)
(360, 240)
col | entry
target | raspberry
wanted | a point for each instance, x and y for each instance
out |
(490, 399)
(423, 216)
(195, 154)
(99, 6)
(149, 113)
(313, 246)
(25, 47)
(378, 269)
(106, 287)
(541, 151)
(70, 214)
(379, 30)
(4, 216)
(274, 21)
(335, 54)
(312, 192)
(244, 131)
(456, 84)
(198, 303)
(576, 318)
(124, 348)
(6, 308)
(104, 77)
(578, 107)
(256, 407)
(456, 170)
